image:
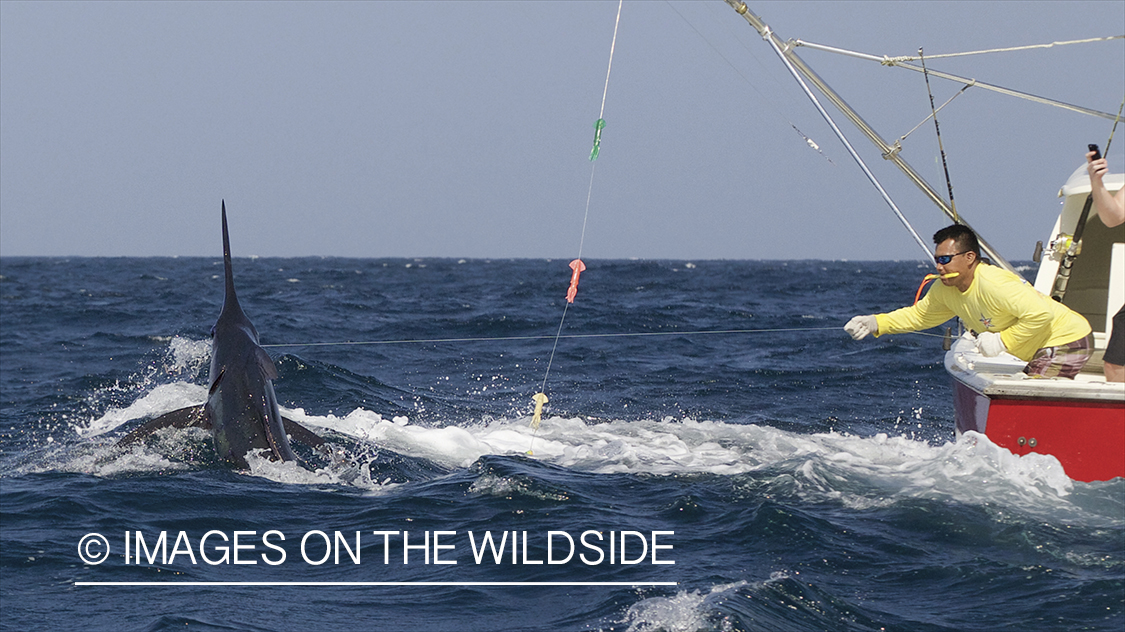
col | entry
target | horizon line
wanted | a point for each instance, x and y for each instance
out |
(387, 583)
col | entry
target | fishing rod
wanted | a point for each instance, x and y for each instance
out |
(1074, 248)
(937, 130)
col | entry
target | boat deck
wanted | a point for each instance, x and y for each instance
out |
(1003, 376)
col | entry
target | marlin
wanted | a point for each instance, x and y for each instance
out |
(241, 410)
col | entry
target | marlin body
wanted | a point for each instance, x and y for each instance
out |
(241, 410)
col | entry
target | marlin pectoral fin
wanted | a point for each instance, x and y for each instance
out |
(266, 363)
(297, 432)
(182, 418)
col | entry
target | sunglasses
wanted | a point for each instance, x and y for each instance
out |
(945, 259)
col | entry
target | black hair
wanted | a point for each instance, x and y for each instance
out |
(961, 235)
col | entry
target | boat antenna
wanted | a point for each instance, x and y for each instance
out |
(937, 129)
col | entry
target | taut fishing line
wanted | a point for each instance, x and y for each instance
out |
(704, 332)
(576, 266)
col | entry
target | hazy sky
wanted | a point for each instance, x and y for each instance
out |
(463, 129)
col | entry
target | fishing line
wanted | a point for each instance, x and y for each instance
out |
(769, 101)
(930, 277)
(507, 338)
(704, 332)
(576, 266)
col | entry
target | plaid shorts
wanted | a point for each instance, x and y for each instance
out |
(1061, 361)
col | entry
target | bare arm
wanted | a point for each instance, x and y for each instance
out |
(1110, 206)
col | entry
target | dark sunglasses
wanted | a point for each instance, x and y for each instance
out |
(945, 259)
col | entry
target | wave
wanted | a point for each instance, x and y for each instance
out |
(858, 472)
(785, 601)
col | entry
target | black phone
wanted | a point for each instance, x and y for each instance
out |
(1097, 152)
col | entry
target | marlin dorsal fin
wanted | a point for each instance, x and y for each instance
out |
(231, 298)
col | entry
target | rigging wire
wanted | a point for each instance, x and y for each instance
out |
(1006, 50)
(941, 107)
(847, 145)
(792, 61)
(898, 62)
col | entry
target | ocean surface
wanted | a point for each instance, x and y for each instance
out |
(716, 454)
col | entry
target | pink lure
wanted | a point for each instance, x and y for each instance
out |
(578, 267)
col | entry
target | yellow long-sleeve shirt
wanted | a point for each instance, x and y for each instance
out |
(996, 301)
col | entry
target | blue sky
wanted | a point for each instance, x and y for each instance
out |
(463, 129)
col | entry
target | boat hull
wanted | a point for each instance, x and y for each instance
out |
(1087, 437)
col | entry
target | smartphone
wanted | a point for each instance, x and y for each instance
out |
(1097, 152)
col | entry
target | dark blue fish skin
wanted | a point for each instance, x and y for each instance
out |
(241, 404)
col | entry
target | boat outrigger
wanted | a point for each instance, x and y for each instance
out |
(1079, 421)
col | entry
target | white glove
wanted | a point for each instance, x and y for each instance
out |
(990, 345)
(860, 326)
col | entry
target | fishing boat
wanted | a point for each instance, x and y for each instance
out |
(1080, 421)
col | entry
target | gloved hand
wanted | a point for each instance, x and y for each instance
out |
(990, 345)
(860, 326)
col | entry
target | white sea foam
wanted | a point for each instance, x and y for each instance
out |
(294, 474)
(184, 358)
(136, 459)
(686, 611)
(858, 472)
(186, 355)
(162, 399)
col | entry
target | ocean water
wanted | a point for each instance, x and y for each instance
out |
(753, 467)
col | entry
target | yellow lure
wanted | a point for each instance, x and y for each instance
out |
(540, 399)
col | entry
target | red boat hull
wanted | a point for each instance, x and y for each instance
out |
(1088, 438)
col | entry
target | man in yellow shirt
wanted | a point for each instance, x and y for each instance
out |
(1004, 310)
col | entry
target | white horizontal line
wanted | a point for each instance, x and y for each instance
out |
(191, 583)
